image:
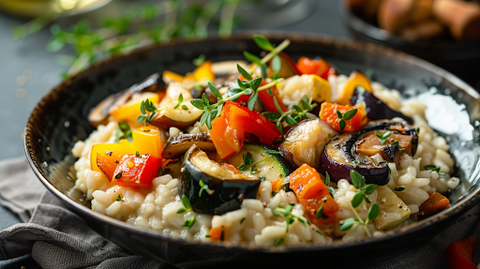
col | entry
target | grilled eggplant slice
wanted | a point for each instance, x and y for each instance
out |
(355, 151)
(214, 188)
(176, 146)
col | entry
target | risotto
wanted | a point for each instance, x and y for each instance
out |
(268, 153)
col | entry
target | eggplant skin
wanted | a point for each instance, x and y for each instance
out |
(337, 157)
(376, 108)
(379, 175)
(224, 195)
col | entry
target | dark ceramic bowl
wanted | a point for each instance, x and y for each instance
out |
(459, 57)
(60, 119)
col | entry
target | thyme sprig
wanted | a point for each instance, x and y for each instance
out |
(211, 111)
(123, 128)
(249, 163)
(345, 117)
(364, 190)
(383, 137)
(148, 110)
(293, 116)
(286, 213)
(435, 168)
(187, 207)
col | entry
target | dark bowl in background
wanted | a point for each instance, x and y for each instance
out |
(459, 57)
(49, 139)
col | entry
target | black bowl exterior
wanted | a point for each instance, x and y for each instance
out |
(60, 119)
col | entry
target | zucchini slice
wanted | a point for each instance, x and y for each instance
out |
(214, 188)
(267, 164)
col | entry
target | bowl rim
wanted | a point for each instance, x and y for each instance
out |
(464, 204)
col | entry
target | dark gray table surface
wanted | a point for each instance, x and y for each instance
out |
(28, 71)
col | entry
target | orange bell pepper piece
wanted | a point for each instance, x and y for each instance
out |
(318, 67)
(435, 203)
(313, 194)
(105, 157)
(328, 113)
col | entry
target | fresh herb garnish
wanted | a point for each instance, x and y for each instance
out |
(292, 117)
(278, 241)
(189, 222)
(383, 137)
(286, 212)
(432, 167)
(249, 163)
(345, 117)
(401, 188)
(148, 110)
(180, 100)
(123, 128)
(119, 198)
(200, 60)
(203, 187)
(327, 183)
(395, 143)
(186, 205)
(363, 190)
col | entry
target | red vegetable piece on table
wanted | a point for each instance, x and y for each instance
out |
(459, 254)
(137, 171)
(313, 194)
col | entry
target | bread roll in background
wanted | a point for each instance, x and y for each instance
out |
(423, 30)
(463, 18)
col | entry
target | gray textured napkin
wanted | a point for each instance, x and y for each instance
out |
(58, 238)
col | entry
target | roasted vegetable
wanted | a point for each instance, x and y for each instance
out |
(376, 109)
(105, 157)
(435, 203)
(305, 142)
(147, 140)
(100, 113)
(354, 151)
(288, 67)
(316, 66)
(258, 160)
(137, 171)
(314, 195)
(176, 146)
(342, 118)
(392, 211)
(293, 89)
(356, 78)
(213, 188)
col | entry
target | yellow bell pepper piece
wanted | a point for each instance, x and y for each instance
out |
(292, 89)
(105, 157)
(204, 72)
(169, 76)
(129, 112)
(356, 78)
(147, 140)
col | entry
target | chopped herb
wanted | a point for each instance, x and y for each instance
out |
(148, 110)
(319, 232)
(327, 183)
(119, 175)
(262, 178)
(180, 100)
(432, 167)
(242, 220)
(395, 143)
(345, 117)
(137, 154)
(346, 224)
(402, 188)
(203, 187)
(279, 241)
(189, 222)
(119, 198)
(184, 107)
(286, 212)
(383, 137)
(320, 213)
(249, 163)
(123, 128)
(186, 205)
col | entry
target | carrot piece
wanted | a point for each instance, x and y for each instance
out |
(277, 185)
(217, 233)
(434, 204)
(313, 194)
(459, 254)
(328, 113)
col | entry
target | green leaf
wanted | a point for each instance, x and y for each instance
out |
(319, 212)
(252, 58)
(215, 91)
(142, 107)
(358, 180)
(350, 114)
(180, 100)
(277, 106)
(357, 199)
(252, 101)
(263, 42)
(272, 115)
(141, 118)
(189, 222)
(347, 224)
(244, 73)
(341, 124)
(197, 103)
(369, 189)
(181, 210)
(255, 83)
(339, 114)
(291, 121)
(373, 211)
(200, 60)
(279, 241)
(276, 63)
(203, 119)
(55, 45)
(186, 202)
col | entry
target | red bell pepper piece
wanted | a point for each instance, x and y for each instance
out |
(137, 171)
(229, 130)
(459, 254)
(318, 67)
